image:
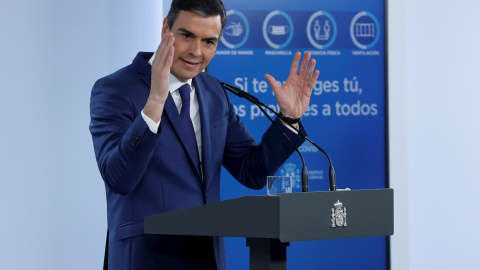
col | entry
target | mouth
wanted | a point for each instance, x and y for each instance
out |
(190, 63)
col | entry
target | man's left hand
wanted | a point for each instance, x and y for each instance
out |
(293, 96)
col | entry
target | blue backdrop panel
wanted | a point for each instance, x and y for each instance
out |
(346, 115)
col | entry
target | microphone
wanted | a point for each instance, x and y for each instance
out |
(242, 94)
(331, 171)
(256, 101)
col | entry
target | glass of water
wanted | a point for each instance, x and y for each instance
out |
(279, 184)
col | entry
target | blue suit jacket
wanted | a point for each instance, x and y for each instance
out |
(147, 173)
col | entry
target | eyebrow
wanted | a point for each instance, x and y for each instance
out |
(183, 30)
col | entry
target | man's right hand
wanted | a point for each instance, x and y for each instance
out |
(160, 78)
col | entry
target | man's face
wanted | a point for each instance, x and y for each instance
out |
(196, 39)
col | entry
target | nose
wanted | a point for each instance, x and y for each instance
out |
(195, 48)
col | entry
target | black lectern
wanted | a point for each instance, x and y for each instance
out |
(270, 223)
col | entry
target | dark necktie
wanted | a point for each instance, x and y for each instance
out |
(187, 123)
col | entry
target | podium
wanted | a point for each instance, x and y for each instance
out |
(270, 223)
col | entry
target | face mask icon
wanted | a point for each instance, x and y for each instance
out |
(278, 30)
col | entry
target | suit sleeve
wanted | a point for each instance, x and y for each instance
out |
(122, 140)
(250, 163)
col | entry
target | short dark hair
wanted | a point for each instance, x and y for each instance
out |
(204, 8)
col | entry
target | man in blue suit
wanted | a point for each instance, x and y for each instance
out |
(162, 129)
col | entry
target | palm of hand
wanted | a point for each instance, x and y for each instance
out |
(293, 96)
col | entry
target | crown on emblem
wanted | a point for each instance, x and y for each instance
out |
(290, 167)
(338, 205)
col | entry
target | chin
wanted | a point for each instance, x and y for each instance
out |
(183, 76)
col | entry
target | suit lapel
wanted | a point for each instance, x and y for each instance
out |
(143, 67)
(205, 124)
(147, 78)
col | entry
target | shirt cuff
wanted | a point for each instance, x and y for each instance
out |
(289, 127)
(150, 123)
(292, 129)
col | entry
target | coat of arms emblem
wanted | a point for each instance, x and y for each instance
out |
(339, 215)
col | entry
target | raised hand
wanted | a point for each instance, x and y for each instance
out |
(293, 96)
(160, 78)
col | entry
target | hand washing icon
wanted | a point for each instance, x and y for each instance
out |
(234, 29)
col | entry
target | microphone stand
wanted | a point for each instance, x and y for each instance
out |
(256, 101)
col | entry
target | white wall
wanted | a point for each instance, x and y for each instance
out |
(434, 130)
(443, 131)
(398, 127)
(52, 200)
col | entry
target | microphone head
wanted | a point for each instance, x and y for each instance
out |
(332, 178)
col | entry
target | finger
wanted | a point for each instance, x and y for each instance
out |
(294, 66)
(311, 68)
(273, 83)
(169, 60)
(163, 48)
(304, 65)
(313, 80)
(163, 43)
(163, 52)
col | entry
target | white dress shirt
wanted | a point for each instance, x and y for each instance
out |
(174, 84)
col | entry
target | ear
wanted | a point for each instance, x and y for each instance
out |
(165, 28)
